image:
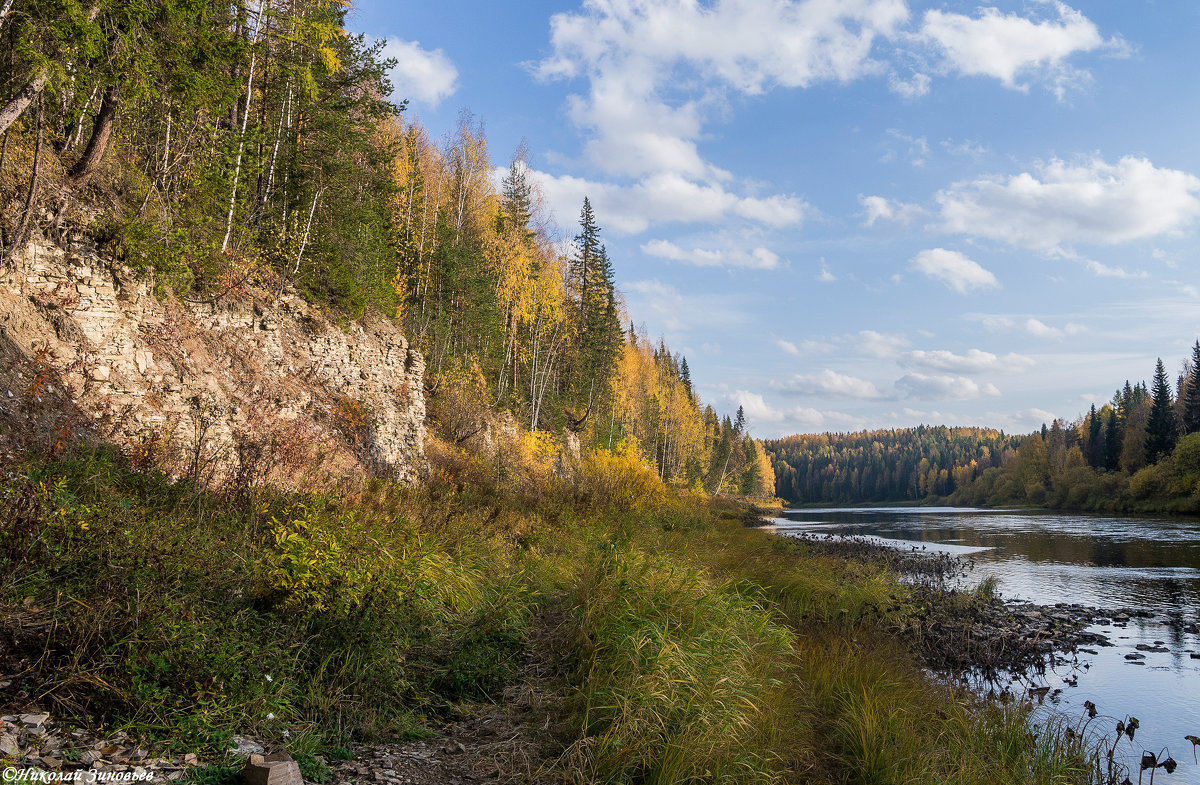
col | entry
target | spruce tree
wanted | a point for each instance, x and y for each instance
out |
(1191, 396)
(1161, 427)
(1095, 454)
(583, 264)
(685, 376)
(1112, 443)
(516, 206)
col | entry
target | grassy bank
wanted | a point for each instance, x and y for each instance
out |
(685, 648)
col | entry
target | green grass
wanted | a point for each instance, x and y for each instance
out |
(695, 650)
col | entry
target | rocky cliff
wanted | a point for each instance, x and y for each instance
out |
(244, 386)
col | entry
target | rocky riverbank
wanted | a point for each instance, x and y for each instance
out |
(972, 632)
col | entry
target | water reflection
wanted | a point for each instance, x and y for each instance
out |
(1109, 562)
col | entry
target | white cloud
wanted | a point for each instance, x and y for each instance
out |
(1032, 325)
(634, 53)
(1011, 47)
(829, 383)
(759, 258)
(878, 208)
(877, 344)
(775, 421)
(914, 87)
(918, 147)
(974, 361)
(953, 269)
(1040, 329)
(942, 387)
(825, 276)
(630, 209)
(787, 346)
(1093, 202)
(419, 74)
(965, 147)
(1104, 271)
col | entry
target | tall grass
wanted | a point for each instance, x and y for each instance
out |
(683, 680)
(698, 651)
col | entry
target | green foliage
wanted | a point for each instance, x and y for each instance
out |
(189, 621)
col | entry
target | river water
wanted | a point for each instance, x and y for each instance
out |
(1108, 562)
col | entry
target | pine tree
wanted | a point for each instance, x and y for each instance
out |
(1161, 427)
(1191, 396)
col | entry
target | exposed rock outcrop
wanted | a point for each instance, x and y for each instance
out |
(250, 383)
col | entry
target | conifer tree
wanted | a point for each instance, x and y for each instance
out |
(1095, 445)
(1112, 443)
(1191, 396)
(586, 258)
(1161, 427)
(685, 376)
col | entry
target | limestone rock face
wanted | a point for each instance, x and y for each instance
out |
(250, 382)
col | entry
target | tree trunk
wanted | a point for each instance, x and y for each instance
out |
(21, 101)
(21, 236)
(102, 129)
(5, 10)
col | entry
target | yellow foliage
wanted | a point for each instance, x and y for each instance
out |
(621, 476)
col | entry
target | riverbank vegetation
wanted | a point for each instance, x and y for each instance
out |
(684, 646)
(1139, 452)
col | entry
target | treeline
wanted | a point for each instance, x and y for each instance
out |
(1140, 451)
(484, 287)
(885, 465)
(254, 143)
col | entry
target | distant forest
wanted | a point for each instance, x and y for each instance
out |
(887, 465)
(1140, 451)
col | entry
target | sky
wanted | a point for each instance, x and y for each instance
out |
(855, 214)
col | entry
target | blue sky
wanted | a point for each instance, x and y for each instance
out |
(856, 213)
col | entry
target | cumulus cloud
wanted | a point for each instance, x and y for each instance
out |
(973, 361)
(1011, 47)
(758, 258)
(830, 384)
(878, 208)
(633, 53)
(942, 387)
(771, 420)
(630, 209)
(422, 75)
(825, 276)
(953, 269)
(1062, 204)
(877, 344)
(1040, 329)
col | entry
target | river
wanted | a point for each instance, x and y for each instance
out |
(1148, 563)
